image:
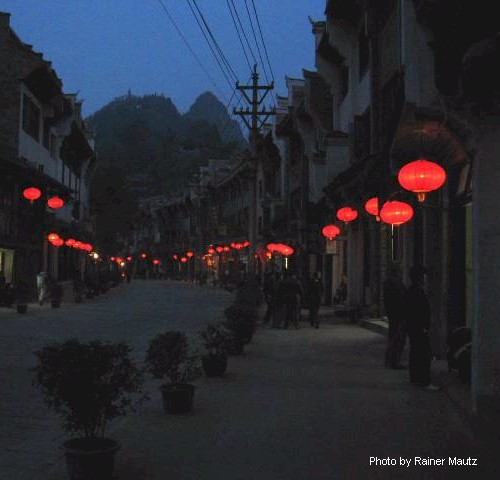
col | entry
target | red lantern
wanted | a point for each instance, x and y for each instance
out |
(330, 231)
(286, 250)
(347, 214)
(227, 249)
(119, 260)
(175, 257)
(371, 206)
(69, 242)
(396, 213)
(89, 247)
(219, 249)
(77, 244)
(52, 236)
(55, 202)
(421, 177)
(143, 255)
(129, 259)
(245, 244)
(273, 247)
(190, 254)
(184, 259)
(211, 251)
(57, 242)
(112, 258)
(32, 193)
(156, 262)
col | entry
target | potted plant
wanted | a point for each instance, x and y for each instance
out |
(241, 319)
(56, 292)
(88, 384)
(21, 295)
(170, 356)
(217, 339)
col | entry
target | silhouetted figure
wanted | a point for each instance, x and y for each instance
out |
(42, 284)
(315, 290)
(269, 289)
(292, 295)
(394, 303)
(418, 314)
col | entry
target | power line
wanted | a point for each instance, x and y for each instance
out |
(256, 42)
(214, 40)
(239, 36)
(263, 42)
(243, 31)
(189, 46)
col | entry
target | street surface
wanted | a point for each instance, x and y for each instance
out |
(298, 405)
(30, 433)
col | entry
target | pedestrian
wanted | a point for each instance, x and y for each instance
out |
(269, 290)
(418, 314)
(315, 290)
(293, 294)
(394, 303)
(42, 284)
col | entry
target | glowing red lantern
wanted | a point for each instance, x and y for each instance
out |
(143, 255)
(396, 213)
(190, 254)
(245, 244)
(211, 251)
(129, 259)
(112, 259)
(421, 177)
(89, 247)
(69, 242)
(227, 249)
(57, 242)
(286, 250)
(32, 193)
(330, 231)
(175, 257)
(184, 259)
(371, 206)
(52, 236)
(219, 249)
(55, 202)
(347, 214)
(273, 247)
(77, 244)
(119, 260)
(156, 262)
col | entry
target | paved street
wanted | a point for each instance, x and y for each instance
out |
(134, 313)
(299, 404)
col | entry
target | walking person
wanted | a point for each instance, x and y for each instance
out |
(269, 290)
(42, 284)
(292, 298)
(418, 323)
(394, 303)
(315, 290)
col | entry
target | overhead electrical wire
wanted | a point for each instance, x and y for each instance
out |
(256, 42)
(262, 39)
(243, 31)
(239, 36)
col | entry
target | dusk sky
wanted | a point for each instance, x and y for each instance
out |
(101, 48)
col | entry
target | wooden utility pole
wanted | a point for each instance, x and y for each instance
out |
(254, 125)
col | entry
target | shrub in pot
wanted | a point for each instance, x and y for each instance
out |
(56, 292)
(241, 319)
(217, 340)
(88, 384)
(170, 356)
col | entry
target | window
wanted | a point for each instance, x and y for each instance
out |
(31, 118)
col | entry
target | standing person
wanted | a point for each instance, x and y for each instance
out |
(394, 303)
(292, 298)
(418, 318)
(42, 284)
(315, 290)
(269, 290)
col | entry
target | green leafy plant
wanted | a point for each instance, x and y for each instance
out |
(171, 356)
(216, 338)
(88, 384)
(241, 320)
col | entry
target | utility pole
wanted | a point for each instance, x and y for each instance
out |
(254, 125)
